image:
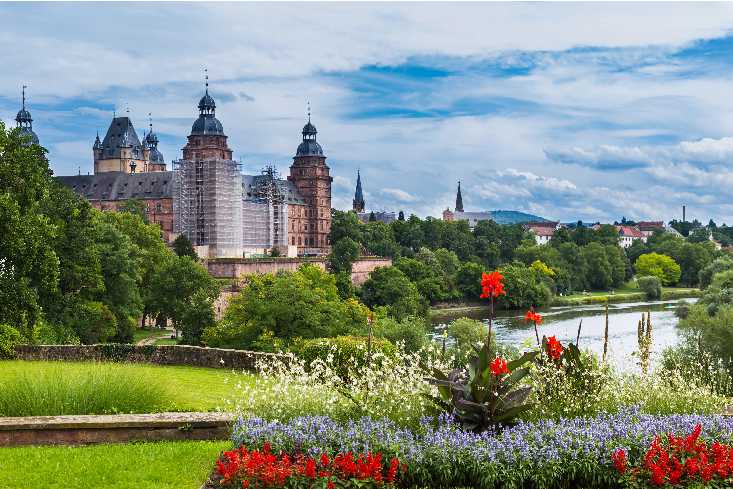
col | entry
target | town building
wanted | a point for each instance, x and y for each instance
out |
(542, 231)
(648, 228)
(628, 234)
(359, 206)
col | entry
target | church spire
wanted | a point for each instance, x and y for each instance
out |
(358, 203)
(459, 199)
(25, 121)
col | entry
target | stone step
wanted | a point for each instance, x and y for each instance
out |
(116, 428)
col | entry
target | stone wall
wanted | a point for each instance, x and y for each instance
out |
(194, 356)
(239, 268)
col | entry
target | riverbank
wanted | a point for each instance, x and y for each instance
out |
(613, 297)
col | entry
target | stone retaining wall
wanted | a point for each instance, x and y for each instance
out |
(194, 356)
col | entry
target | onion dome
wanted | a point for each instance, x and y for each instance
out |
(309, 146)
(151, 142)
(207, 123)
(25, 122)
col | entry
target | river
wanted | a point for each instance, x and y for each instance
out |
(563, 322)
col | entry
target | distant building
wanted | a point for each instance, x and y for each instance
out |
(122, 151)
(358, 203)
(542, 231)
(359, 206)
(647, 228)
(628, 234)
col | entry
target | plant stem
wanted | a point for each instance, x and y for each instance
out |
(577, 339)
(491, 322)
(605, 336)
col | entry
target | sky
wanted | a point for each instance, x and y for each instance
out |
(565, 110)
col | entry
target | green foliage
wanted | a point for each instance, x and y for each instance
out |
(9, 338)
(468, 280)
(411, 332)
(304, 304)
(378, 239)
(467, 332)
(346, 352)
(344, 285)
(344, 225)
(660, 266)
(390, 287)
(93, 322)
(481, 400)
(718, 265)
(525, 288)
(135, 207)
(428, 279)
(651, 286)
(182, 246)
(344, 253)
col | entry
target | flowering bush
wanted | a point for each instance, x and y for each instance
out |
(261, 468)
(544, 454)
(678, 461)
(392, 386)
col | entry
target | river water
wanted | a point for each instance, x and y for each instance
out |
(562, 322)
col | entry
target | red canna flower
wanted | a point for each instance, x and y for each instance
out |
(492, 285)
(533, 317)
(498, 367)
(619, 460)
(554, 348)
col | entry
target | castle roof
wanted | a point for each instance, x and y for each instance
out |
(121, 134)
(121, 186)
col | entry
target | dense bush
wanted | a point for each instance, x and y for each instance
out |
(651, 286)
(390, 287)
(9, 337)
(410, 332)
(718, 265)
(526, 288)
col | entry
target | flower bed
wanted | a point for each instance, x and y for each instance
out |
(543, 454)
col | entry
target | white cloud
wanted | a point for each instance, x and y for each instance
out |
(399, 195)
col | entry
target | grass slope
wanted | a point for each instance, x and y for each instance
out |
(40, 388)
(160, 465)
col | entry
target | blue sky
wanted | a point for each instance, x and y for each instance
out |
(569, 110)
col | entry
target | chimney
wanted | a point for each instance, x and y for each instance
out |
(684, 215)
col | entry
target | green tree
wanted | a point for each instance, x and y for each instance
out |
(343, 254)
(468, 280)
(135, 207)
(524, 286)
(599, 273)
(390, 287)
(378, 239)
(660, 266)
(93, 322)
(182, 246)
(345, 225)
(721, 264)
(651, 286)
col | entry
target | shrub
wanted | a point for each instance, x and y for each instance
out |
(411, 332)
(661, 266)
(526, 288)
(344, 352)
(388, 286)
(651, 286)
(719, 265)
(9, 337)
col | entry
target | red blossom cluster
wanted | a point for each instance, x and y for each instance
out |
(492, 285)
(262, 468)
(676, 460)
(499, 367)
(554, 348)
(533, 317)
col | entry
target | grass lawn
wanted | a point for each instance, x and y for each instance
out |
(142, 334)
(166, 341)
(174, 465)
(185, 388)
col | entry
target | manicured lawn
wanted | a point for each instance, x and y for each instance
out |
(185, 388)
(174, 465)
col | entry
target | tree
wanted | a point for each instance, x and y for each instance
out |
(599, 272)
(660, 266)
(93, 322)
(390, 287)
(468, 280)
(378, 239)
(135, 207)
(651, 286)
(525, 288)
(29, 267)
(343, 254)
(197, 315)
(721, 264)
(427, 279)
(184, 290)
(344, 225)
(182, 246)
(286, 306)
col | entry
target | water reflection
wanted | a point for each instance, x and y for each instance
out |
(563, 323)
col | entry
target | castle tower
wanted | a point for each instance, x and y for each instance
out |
(156, 162)
(207, 140)
(358, 202)
(459, 199)
(25, 122)
(310, 174)
(120, 150)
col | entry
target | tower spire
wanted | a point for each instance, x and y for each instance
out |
(309, 111)
(206, 80)
(358, 204)
(24, 87)
(459, 199)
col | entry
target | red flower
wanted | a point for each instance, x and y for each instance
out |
(330, 485)
(492, 285)
(533, 317)
(498, 367)
(554, 348)
(619, 460)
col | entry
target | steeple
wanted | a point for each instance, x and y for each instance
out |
(25, 121)
(459, 199)
(309, 146)
(207, 123)
(97, 142)
(358, 203)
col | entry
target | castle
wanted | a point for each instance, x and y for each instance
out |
(205, 195)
